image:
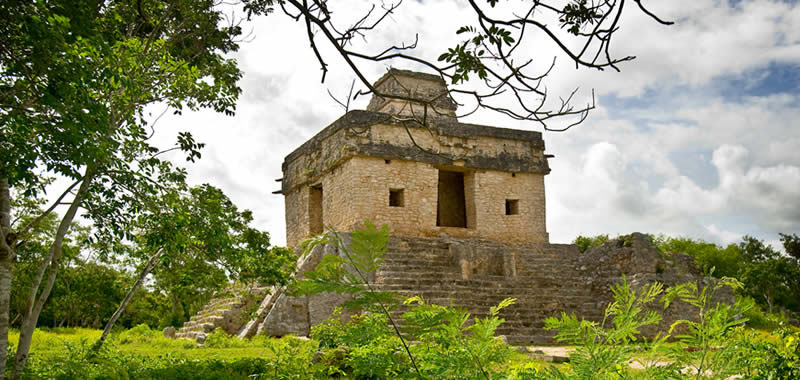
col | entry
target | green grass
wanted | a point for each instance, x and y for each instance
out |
(55, 342)
(143, 353)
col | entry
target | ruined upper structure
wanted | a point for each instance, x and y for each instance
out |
(407, 162)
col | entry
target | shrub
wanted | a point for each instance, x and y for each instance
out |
(220, 339)
(359, 330)
(586, 242)
(139, 334)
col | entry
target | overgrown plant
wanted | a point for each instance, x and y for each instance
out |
(348, 272)
(605, 349)
(706, 346)
(448, 347)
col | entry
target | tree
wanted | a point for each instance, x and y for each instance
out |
(197, 241)
(76, 77)
(494, 50)
(725, 262)
(791, 243)
(768, 276)
(586, 242)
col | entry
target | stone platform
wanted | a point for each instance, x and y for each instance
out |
(546, 279)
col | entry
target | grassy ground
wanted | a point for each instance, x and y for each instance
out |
(59, 353)
(54, 342)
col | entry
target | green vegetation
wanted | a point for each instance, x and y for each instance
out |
(768, 277)
(141, 353)
(586, 242)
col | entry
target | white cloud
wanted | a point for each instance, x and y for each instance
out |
(670, 152)
(722, 236)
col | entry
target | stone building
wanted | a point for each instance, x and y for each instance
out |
(465, 206)
(411, 165)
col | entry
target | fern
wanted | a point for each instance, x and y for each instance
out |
(604, 352)
(707, 346)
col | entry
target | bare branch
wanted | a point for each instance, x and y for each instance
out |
(647, 12)
(491, 53)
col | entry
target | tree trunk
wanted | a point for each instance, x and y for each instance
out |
(145, 271)
(51, 262)
(7, 256)
(768, 296)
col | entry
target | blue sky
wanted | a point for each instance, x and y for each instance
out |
(696, 137)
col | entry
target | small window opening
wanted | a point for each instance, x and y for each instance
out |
(396, 198)
(315, 216)
(512, 206)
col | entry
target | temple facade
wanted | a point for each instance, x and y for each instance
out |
(407, 162)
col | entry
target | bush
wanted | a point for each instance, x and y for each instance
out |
(359, 330)
(220, 339)
(586, 242)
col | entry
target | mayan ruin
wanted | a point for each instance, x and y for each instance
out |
(465, 206)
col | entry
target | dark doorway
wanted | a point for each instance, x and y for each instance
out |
(315, 210)
(451, 210)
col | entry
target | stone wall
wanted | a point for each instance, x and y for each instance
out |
(400, 85)
(360, 189)
(546, 279)
(358, 159)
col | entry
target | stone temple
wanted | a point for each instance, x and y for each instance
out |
(465, 206)
(445, 177)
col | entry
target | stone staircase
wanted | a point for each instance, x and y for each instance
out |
(474, 274)
(229, 311)
(547, 283)
(545, 279)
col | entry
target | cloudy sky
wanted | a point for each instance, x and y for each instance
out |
(696, 137)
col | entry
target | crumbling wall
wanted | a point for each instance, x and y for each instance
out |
(349, 158)
(546, 279)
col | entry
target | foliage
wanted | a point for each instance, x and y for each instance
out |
(76, 80)
(292, 360)
(87, 292)
(757, 319)
(347, 271)
(207, 242)
(220, 339)
(359, 330)
(448, 347)
(586, 242)
(604, 348)
(776, 356)
(770, 278)
(709, 333)
(714, 344)
(142, 353)
(791, 243)
(725, 261)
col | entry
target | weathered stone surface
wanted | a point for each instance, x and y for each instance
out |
(296, 315)
(169, 332)
(408, 92)
(348, 172)
(465, 205)
(229, 311)
(546, 279)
